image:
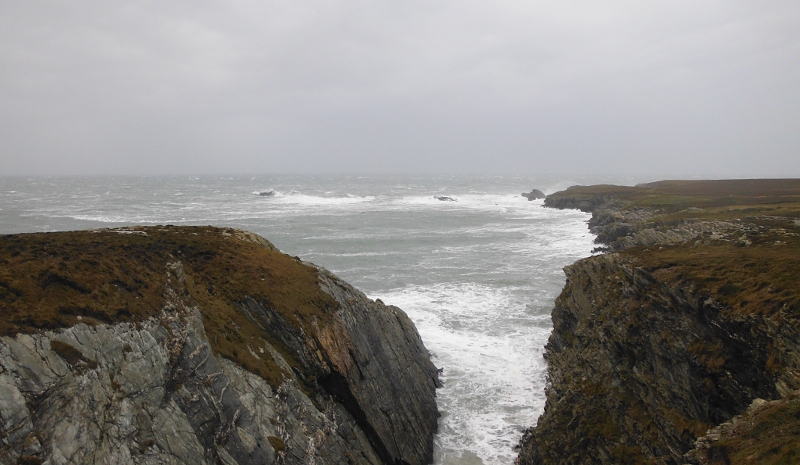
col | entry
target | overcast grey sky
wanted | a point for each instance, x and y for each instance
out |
(672, 88)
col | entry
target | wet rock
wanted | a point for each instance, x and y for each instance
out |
(534, 194)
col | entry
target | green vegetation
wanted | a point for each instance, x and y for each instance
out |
(55, 280)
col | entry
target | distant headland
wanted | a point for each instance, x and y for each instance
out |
(681, 343)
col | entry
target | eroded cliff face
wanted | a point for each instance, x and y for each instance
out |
(640, 368)
(693, 319)
(201, 345)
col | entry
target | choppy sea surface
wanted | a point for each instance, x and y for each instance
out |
(477, 274)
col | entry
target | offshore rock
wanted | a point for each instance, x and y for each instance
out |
(171, 345)
(534, 194)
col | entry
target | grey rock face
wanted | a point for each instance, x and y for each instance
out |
(619, 226)
(155, 394)
(360, 388)
(373, 364)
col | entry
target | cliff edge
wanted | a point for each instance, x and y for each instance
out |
(194, 345)
(680, 344)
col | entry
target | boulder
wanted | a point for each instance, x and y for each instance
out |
(534, 194)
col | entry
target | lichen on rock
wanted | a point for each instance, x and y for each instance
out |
(200, 345)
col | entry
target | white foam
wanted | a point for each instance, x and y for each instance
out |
(297, 198)
(490, 347)
(506, 204)
(477, 276)
(364, 254)
(269, 192)
(329, 198)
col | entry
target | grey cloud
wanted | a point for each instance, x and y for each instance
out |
(673, 87)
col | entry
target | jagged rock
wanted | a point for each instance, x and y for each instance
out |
(768, 432)
(534, 194)
(223, 370)
(638, 369)
(674, 336)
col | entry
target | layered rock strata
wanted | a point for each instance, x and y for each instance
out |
(692, 317)
(170, 345)
(767, 433)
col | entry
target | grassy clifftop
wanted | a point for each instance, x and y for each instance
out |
(737, 241)
(162, 319)
(54, 280)
(700, 199)
(693, 314)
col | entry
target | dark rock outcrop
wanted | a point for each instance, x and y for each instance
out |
(444, 198)
(201, 345)
(640, 368)
(695, 315)
(534, 194)
(768, 432)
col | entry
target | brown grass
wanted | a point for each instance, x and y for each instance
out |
(759, 276)
(71, 355)
(277, 443)
(54, 280)
(777, 195)
(761, 279)
(769, 436)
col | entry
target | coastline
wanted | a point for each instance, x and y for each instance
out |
(490, 264)
(201, 345)
(689, 316)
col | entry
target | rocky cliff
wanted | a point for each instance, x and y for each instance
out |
(659, 348)
(192, 345)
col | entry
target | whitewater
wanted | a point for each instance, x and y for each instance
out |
(478, 275)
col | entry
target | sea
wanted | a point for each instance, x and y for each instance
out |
(473, 263)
